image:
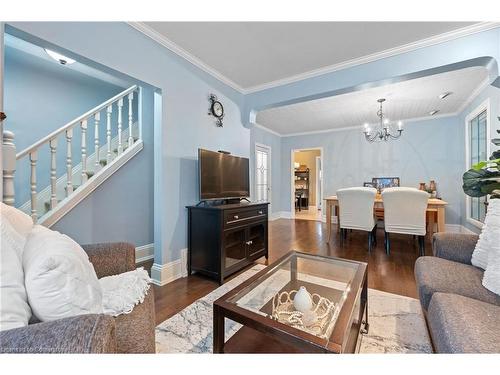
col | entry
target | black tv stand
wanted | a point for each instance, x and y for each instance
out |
(222, 202)
(224, 238)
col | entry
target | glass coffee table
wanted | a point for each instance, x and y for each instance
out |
(334, 317)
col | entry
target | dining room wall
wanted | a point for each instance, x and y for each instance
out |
(431, 149)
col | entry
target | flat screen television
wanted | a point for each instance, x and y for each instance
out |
(222, 176)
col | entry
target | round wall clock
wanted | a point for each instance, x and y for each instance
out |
(216, 109)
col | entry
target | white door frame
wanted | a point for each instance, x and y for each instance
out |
(319, 191)
(269, 171)
(292, 174)
(2, 26)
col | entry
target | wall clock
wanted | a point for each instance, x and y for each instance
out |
(216, 109)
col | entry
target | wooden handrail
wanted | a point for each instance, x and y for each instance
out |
(74, 122)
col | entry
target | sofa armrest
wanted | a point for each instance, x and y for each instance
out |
(457, 247)
(79, 334)
(111, 258)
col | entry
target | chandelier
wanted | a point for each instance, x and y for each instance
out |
(384, 130)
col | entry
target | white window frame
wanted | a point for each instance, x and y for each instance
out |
(484, 106)
(269, 169)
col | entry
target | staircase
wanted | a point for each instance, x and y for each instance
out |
(46, 206)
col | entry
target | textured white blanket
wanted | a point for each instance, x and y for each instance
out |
(120, 293)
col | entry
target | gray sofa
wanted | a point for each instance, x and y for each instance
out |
(128, 333)
(462, 315)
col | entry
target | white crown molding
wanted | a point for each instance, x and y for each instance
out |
(267, 129)
(441, 38)
(175, 48)
(474, 94)
(455, 34)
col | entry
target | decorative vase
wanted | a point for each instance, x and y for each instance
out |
(302, 300)
(422, 186)
(432, 185)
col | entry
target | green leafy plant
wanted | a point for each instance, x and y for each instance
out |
(484, 177)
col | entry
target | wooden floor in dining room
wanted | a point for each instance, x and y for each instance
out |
(390, 273)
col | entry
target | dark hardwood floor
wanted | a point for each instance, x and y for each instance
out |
(390, 273)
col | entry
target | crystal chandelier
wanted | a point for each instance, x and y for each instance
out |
(382, 131)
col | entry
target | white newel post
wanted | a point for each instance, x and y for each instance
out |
(84, 151)
(109, 111)
(9, 167)
(53, 173)
(97, 164)
(33, 160)
(69, 163)
(130, 119)
(120, 125)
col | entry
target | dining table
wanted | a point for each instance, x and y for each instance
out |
(435, 213)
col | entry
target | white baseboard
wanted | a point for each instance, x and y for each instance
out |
(144, 253)
(280, 215)
(162, 274)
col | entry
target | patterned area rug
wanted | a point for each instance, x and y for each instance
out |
(397, 324)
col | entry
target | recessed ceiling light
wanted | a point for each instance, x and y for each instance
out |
(445, 94)
(433, 112)
(61, 59)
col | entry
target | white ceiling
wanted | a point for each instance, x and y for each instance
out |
(405, 100)
(249, 55)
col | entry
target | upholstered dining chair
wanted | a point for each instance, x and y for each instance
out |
(404, 213)
(356, 212)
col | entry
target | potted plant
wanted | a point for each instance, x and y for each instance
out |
(484, 177)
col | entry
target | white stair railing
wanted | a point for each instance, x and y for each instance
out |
(10, 157)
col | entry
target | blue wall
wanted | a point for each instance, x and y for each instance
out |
(40, 97)
(185, 125)
(430, 149)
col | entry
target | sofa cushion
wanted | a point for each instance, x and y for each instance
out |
(434, 274)
(14, 309)
(60, 280)
(463, 325)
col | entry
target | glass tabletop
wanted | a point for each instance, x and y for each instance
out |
(302, 290)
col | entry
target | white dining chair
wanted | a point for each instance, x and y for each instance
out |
(404, 213)
(356, 212)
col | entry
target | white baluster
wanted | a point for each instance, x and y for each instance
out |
(97, 164)
(33, 160)
(83, 125)
(109, 111)
(120, 145)
(130, 119)
(53, 173)
(9, 167)
(69, 165)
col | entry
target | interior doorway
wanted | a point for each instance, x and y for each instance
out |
(307, 183)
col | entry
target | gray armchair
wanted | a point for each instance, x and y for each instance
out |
(128, 333)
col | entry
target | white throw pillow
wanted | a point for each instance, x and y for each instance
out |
(14, 309)
(486, 238)
(491, 278)
(59, 278)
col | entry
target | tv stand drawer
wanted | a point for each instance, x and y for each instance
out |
(238, 216)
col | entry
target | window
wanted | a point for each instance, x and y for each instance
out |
(477, 150)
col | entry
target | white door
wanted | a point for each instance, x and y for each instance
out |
(262, 173)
